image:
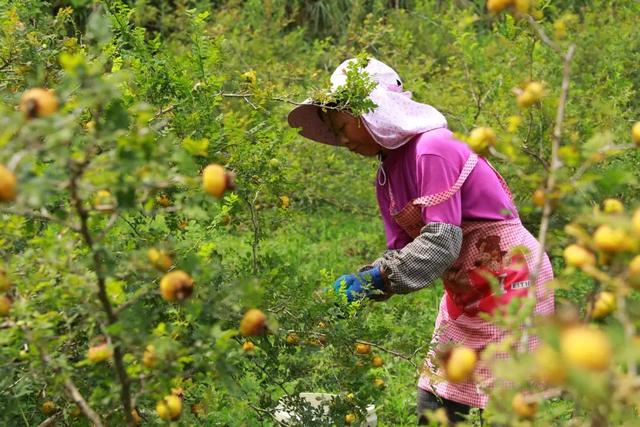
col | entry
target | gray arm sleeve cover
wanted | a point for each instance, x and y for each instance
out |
(424, 260)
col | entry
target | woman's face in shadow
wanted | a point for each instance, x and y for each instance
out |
(352, 133)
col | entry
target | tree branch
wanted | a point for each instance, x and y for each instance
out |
(77, 169)
(393, 352)
(69, 385)
(555, 161)
(42, 215)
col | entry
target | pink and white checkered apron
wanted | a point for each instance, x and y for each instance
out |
(492, 268)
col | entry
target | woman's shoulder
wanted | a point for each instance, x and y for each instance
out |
(441, 142)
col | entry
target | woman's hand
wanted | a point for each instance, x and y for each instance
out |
(365, 284)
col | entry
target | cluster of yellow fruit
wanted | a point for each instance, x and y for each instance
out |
(532, 93)
(170, 407)
(364, 349)
(5, 300)
(175, 285)
(149, 357)
(609, 241)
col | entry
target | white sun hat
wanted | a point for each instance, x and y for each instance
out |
(394, 121)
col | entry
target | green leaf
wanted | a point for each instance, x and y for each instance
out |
(115, 290)
(196, 147)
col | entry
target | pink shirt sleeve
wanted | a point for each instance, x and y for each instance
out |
(436, 174)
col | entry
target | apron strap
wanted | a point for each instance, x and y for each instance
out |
(435, 199)
(503, 183)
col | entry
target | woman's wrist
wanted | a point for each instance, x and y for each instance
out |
(385, 280)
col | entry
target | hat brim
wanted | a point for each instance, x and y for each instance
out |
(306, 116)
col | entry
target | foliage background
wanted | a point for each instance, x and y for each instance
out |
(164, 84)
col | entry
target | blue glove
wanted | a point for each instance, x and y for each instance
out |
(360, 284)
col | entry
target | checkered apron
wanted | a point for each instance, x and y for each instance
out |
(492, 268)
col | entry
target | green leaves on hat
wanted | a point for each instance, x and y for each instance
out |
(353, 96)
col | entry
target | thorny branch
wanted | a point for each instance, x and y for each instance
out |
(69, 385)
(77, 170)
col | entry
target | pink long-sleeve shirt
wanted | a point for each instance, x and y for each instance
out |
(431, 163)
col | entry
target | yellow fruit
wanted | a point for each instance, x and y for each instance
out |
(169, 408)
(137, 419)
(285, 202)
(609, 239)
(159, 259)
(7, 184)
(253, 323)
(99, 353)
(250, 77)
(149, 357)
(635, 222)
(216, 180)
(513, 123)
(497, 6)
(248, 346)
(481, 138)
(548, 367)
(377, 362)
(586, 348)
(292, 338)
(536, 90)
(103, 200)
(163, 200)
(604, 304)
(523, 409)
(460, 364)
(5, 283)
(560, 29)
(48, 407)
(350, 397)
(349, 418)
(612, 206)
(522, 6)
(538, 197)
(362, 348)
(38, 102)
(178, 391)
(176, 286)
(526, 99)
(378, 382)
(5, 305)
(635, 133)
(577, 256)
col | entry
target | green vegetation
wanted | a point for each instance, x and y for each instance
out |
(150, 92)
